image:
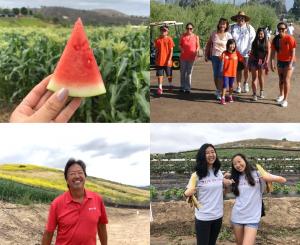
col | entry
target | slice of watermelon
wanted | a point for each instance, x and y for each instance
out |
(77, 69)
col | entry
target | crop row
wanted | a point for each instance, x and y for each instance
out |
(181, 167)
(177, 193)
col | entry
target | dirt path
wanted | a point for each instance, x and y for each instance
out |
(201, 105)
(174, 223)
(25, 224)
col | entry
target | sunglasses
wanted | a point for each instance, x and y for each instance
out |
(189, 28)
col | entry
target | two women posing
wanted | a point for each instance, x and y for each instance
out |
(246, 183)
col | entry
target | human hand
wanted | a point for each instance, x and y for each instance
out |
(227, 175)
(228, 182)
(41, 105)
(273, 68)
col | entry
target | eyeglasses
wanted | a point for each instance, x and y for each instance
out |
(189, 28)
(240, 18)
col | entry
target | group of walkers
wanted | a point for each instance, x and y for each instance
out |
(247, 183)
(235, 51)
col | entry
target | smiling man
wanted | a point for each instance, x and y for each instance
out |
(78, 213)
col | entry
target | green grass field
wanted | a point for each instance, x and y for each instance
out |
(19, 182)
(23, 22)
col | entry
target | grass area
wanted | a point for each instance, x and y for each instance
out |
(47, 179)
(23, 22)
(12, 191)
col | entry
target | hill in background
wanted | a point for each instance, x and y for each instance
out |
(35, 183)
(89, 17)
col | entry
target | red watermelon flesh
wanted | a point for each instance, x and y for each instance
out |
(77, 69)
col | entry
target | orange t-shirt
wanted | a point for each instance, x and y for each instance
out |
(287, 44)
(189, 46)
(163, 46)
(230, 63)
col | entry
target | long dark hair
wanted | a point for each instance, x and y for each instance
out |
(235, 175)
(276, 40)
(201, 163)
(258, 43)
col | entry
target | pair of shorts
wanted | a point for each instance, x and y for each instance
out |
(217, 67)
(251, 225)
(241, 64)
(228, 82)
(284, 64)
(161, 69)
(255, 64)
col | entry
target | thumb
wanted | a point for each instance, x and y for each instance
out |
(52, 106)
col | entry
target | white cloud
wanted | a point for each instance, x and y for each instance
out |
(181, 137)
(53, 144)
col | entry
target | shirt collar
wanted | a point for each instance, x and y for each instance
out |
(87, 195)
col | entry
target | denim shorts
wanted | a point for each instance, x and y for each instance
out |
(217, 67)
(251, 225)
(241, 65)
(161, 69)
(254, 64)
(284, 64)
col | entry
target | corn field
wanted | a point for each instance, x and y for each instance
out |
(27, 55)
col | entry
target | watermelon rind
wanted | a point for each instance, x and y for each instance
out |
(87, 91)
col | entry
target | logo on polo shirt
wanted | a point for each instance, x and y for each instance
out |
(93, 209)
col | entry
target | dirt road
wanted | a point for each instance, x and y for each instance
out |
(174, 223)
(201, 105)
(25, 224)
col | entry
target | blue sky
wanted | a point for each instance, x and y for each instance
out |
(184, 136)
(130, 7)
(117, 152)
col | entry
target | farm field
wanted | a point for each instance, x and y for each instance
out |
(24, 225)
(173, 223)
(173, 219)
(30, 183)
(30, 53)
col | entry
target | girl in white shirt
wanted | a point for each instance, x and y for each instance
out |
(247, 188)
(209, 188)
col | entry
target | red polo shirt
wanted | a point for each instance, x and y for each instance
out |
(77, 222)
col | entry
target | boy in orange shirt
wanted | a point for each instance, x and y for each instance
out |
(164, 52)
(230, 59)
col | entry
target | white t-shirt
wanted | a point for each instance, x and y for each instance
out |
(219, 45)
(243, 36)
(210, 196)
(247, 206)
(290, 30)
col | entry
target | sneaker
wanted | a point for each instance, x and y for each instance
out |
(284, 103)
(262, 94)
(222, 101)
(219, 97)
(254, 97)
(245, 88)
(238, 90)
(159, 91)
(230, 99)
(279, 99)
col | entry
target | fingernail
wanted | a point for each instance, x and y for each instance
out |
(62, 94)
